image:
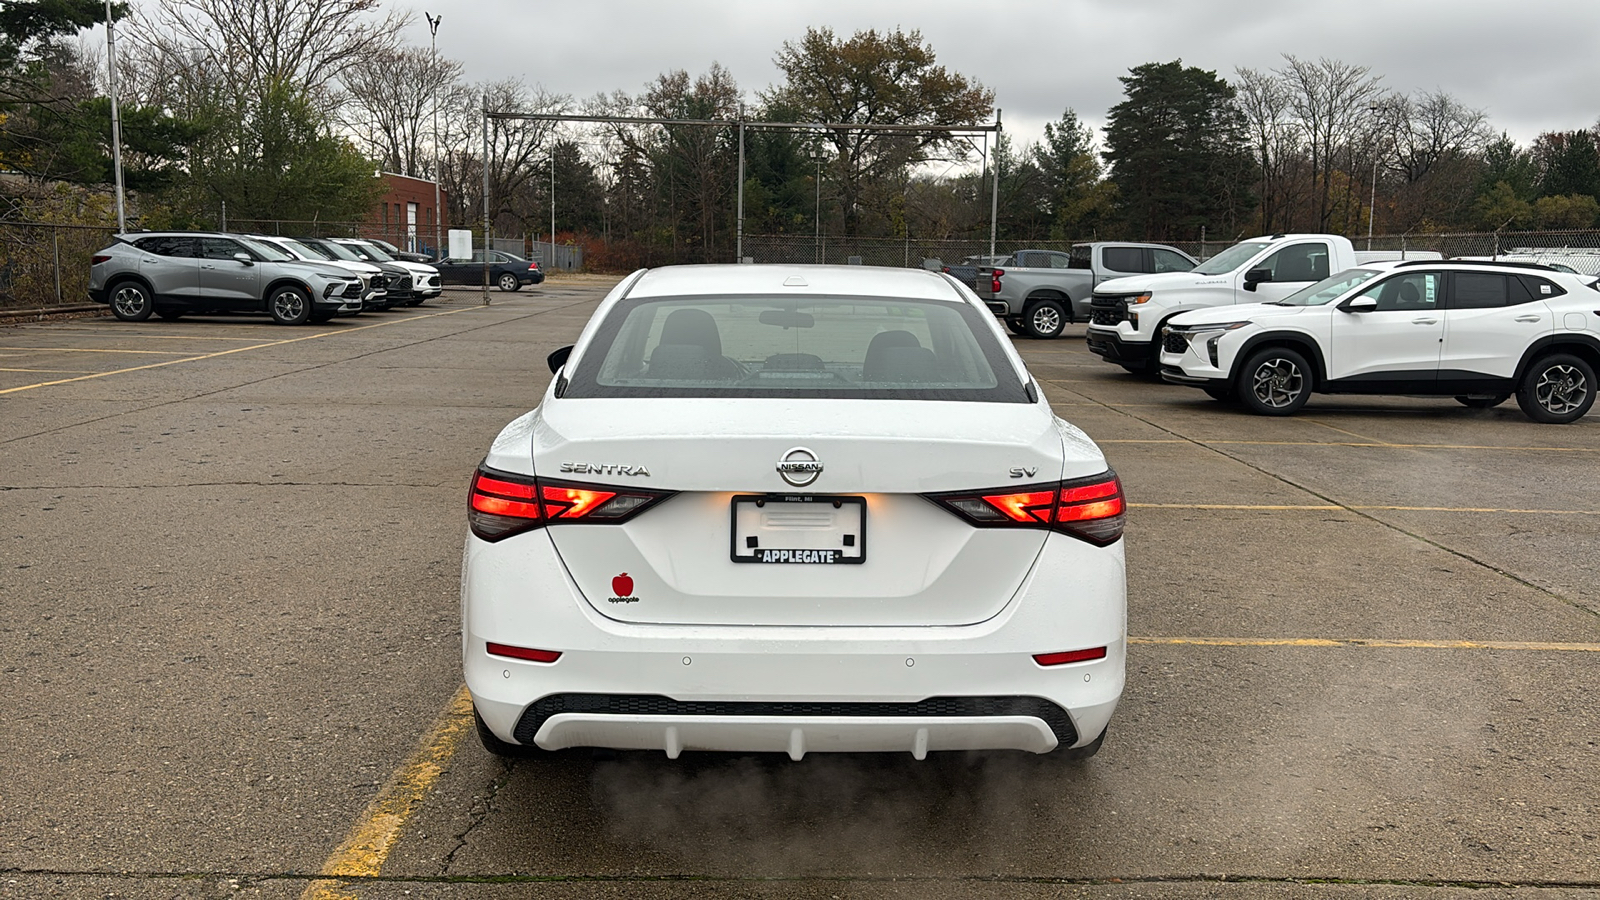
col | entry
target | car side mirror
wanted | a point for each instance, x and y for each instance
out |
(1255, 277)
(558, 359)
(244, 258)
(1360, 304)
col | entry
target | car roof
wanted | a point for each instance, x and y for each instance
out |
(795, 280)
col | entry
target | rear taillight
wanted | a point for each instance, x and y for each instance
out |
(533, 267)
(1088, 508)
(994, 280)
(502, 504)
(99, 258)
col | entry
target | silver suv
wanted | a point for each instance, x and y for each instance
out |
(176, 273)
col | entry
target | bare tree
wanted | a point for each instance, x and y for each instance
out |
(1263, 100)
(1331, 102)
(250, 45)
(1431, 127)
(516, 149)
(389, 105)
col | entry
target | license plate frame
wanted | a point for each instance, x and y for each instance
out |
(798, 506)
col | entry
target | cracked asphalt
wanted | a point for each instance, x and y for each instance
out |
(1368, 641)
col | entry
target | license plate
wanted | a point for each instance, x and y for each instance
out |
(805, 530)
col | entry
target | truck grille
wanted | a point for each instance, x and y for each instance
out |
(1107, 310)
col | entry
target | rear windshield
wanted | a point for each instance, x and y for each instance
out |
(833, 347)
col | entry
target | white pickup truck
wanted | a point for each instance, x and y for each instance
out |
(1126, 314)
(1037, 292)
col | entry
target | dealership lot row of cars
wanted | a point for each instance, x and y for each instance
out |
(293, 280)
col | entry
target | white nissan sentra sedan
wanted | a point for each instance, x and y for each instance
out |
(793, 509)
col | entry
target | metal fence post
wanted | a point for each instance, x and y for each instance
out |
(55, 246)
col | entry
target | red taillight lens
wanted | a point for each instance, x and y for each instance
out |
(502, 504)
(1069, 656)
(994, 280)
(527, 653)
(1088, 508)
(533, 266)
(99, 258)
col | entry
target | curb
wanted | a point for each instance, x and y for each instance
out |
(41, 313)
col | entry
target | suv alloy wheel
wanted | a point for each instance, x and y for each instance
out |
(1275, 382)
(289, 305)
(1557, 389)
(131, 302)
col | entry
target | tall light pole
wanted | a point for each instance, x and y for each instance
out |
(816, 157)
(438, 211)
(1372, 198)
(552, 260)
(116, 118)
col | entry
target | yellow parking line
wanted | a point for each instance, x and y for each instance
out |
(87, 350)
(173, 362)
(1326, 507)
(365, 848)
(1371, 642)
(51, 371)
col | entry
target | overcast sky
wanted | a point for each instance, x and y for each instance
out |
(1531, 65)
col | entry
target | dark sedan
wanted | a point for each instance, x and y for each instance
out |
(506, 272)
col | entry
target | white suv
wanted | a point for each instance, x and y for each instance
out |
(1476, 331)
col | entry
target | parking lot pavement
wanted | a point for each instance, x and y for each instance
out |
(1364, 665)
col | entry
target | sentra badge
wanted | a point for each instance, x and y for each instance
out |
(603, 469)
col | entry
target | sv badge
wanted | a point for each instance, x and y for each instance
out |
(1024, 471)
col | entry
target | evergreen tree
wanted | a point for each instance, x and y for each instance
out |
(1176, 148)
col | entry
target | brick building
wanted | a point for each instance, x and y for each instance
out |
(406, 216)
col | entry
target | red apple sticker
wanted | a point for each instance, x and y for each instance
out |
(623, 585)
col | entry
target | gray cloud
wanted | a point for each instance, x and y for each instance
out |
(1528, 64)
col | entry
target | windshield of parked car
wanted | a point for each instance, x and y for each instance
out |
(1329, 289)
(821, 347)
(369, 252)
(295, 247)
(1231, 258)
(266, 250)
(330, 250)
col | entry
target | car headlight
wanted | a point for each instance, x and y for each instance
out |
(1137, 299)
(1221, 326)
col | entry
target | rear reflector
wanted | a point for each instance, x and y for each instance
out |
(1068, 656)
(527, 653)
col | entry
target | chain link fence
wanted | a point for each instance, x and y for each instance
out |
(45, 265)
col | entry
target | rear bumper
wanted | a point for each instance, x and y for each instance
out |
(1110, 346)
(791, 689)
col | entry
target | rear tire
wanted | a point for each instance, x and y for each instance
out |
(1045, 319)
(131, 301)
(1557, 389)
(509, 282)
(1276, 381)
(289, 305)
(1483, 402)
